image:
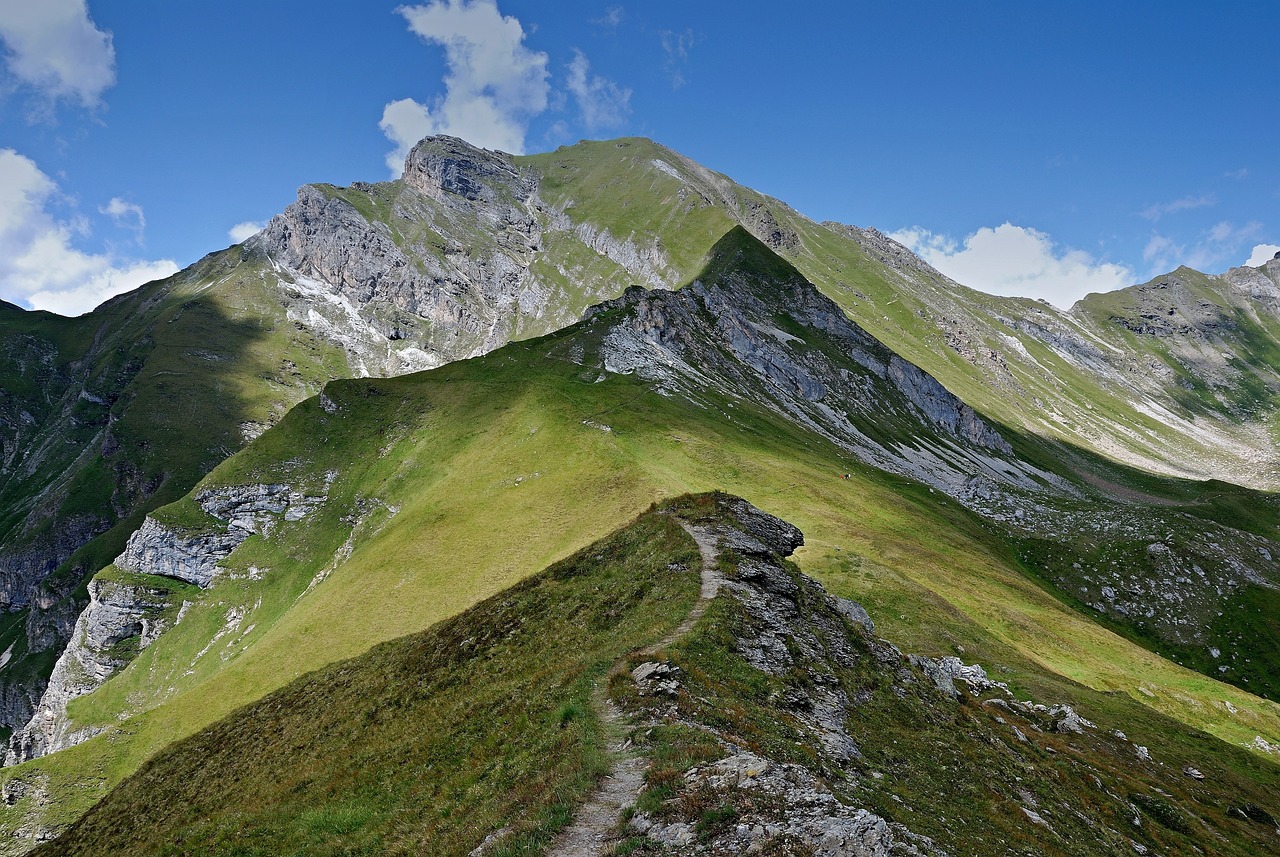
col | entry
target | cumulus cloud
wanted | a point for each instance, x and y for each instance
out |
(244, 231)
(493, 87)
(602, 103)
(1159, 210)
(1017, 261)
(53, 46)
(1262, 253)
(1211, 250)
(39, 266)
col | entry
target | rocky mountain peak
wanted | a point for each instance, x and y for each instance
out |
(449, 165)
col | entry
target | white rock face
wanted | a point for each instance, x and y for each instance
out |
(118, 611)
(157, 549)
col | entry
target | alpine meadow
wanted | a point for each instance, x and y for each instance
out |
(590, 502)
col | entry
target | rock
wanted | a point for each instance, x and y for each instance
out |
(855, 613)
(654, 678)
(116, 612)
(945, 672)
(1193, 773)
(157, 549)
(1065, 719)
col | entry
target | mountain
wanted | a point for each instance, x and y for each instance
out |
(985, 473)
(382, 506)
(764, 717)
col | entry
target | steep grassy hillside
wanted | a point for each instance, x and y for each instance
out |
(117, 412)
(779, 711)
(425, 744)
(440, 489)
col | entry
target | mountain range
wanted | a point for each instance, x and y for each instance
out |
(329, 463)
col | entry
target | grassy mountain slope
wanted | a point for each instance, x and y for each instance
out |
(126, 408)
(487, 724)
(1082, 376)
(424, 744)
(473, 248)
(452, 484)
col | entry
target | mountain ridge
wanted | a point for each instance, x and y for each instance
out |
(783, 339)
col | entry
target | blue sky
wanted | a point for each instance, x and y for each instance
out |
(1046, 148)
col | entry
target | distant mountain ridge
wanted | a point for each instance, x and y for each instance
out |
(827, 340)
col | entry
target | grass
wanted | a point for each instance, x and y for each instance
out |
(440, 475)
(911, 739)
(502, 438)
(426, 743)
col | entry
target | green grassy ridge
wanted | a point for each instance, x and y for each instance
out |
(505, 438)
(426, 743)
(912, 739)
(616, 184)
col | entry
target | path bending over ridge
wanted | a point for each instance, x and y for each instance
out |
(597, 819)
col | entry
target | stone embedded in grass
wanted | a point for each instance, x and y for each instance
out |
(654, 678)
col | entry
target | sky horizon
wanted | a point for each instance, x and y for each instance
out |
(1045, 150)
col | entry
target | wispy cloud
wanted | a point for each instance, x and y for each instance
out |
(126, 214)
(676, 46)
(1210, 251)
(611, 18)
(1186, 203)
(39, 266)
(1242, 173)
(54, 47)
(1016, 261)
(494, 85)
(602, 103)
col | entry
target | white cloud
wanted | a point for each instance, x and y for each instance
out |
(125, 214)
(1242, 173)
(244, 231)
(39, 266)
(1017, 261)
(602, 103)
(493, 87)
(54, 47)
(612, 17)
(1155, 212)
(1212, 250)
(1262, 253)
(676, 46)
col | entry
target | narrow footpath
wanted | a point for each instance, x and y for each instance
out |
(596, 821)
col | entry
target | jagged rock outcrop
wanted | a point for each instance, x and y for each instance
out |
(742, 329)
(439, 266)
(118, 612)
(125, 616)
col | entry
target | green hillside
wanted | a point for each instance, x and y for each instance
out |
(450, 485)
(486, 729)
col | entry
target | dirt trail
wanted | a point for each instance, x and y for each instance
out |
(595, 821)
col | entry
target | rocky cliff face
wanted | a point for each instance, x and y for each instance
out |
(118, 613)
(756, 329)
(440, 265)
(126, 613)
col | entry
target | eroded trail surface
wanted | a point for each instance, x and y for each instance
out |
(595, 822)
